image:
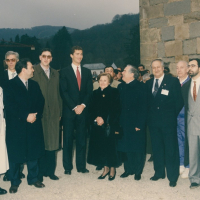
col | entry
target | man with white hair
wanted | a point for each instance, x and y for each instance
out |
(182, 72)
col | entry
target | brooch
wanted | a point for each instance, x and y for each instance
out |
(103, 95)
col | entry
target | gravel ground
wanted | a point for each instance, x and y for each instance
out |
(88, 187)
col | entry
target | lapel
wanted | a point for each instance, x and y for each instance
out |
(41, 71)
(21, 84)
(73, 77)
(83, 78)
(6, 75)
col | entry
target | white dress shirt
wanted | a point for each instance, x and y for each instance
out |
(75, 69)
(159, 82)
(10, 74)
(197, 85)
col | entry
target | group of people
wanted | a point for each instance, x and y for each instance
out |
(33, 99)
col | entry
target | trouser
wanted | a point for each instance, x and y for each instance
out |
(21, 170)
(165, 152)
(181, 139)
(134, 162)
(14, 174)
(194, 156)
(47, 164)
(68, 130)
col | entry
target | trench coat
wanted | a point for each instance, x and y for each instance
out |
(52, 107)
(133, 98)
(3, 150)
(24, 140)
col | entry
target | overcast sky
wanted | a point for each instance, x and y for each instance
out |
(80, 14)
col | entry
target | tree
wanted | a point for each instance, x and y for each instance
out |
(17, 40)
(62, 44)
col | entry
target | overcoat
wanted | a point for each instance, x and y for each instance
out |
(102, 149)
(133, 98)
(3, 150)
(52, 107)
(25, 141)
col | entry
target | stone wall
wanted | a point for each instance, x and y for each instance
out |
(169, 29)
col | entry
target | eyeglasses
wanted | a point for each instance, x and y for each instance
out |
(11, 60)
(45, 56)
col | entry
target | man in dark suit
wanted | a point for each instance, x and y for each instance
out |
(76, 89)
(24, 104)
(164, 104)
(191, 95)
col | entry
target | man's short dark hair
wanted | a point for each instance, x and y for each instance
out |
(141, 65)
(197, 59)
(74, 48)
(45, 49)
(108, 67)
(116, 71)
(21, 64)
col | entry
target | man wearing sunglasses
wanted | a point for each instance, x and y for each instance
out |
(11, 58)
(48, 80)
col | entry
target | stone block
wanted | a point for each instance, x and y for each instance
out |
(144, 24)
(150, 35)
(154, 2)
(190, 46)
(177, 8)
(182, 57)
(167, 33)
(153, 11)
(143, 2)
(194, 56)
(172, 67)
(168, 60)
(198, 45)
(173, 48)
(195, 5)
(192, 17)
(161, 49)
(174, 20)
(194, 29)
(174, 0)
(182, 31)
(158, 22)
(146, 63)
(148, 50)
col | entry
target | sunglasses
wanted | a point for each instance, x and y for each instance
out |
(11, 60)
(45, 56)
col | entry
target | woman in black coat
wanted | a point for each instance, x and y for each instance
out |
(104, 110)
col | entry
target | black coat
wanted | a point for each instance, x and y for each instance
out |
(164, 109)
(133, 114)
(4, 78)
(24, 140)
(102, 150)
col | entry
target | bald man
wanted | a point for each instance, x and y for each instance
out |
(182, 72)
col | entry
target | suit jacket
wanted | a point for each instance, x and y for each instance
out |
(5, 78)
(164, 109)
(24, 140)
(70, 92)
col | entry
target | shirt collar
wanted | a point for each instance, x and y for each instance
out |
(159, 79)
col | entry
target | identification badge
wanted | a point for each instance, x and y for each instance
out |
(165, 92)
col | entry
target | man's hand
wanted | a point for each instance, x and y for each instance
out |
(31, 117)
(137, 129)
(100, 121)
(79, 109)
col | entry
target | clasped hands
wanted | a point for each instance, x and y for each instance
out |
(79, 109)
(31, 118)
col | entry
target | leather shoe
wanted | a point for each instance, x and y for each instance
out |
(111, 178)
(5, 178)
(194, 185)
(83, 171)
(172, 184)
(99, 168)
(2, 191)
(13, 189)
(125, 174)
(151, 158)
(155, 178)
(54, 177)
(137, 177)
(68, 172)
(38, 184)
(102, 177)
(22, 175)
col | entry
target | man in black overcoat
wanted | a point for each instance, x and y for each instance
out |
(24, 104)
(76, 90)
(164, 104)
(132, 120)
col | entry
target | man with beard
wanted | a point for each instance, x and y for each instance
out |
(191, 95)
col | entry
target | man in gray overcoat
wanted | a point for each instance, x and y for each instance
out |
(191, 95)
(48, 80)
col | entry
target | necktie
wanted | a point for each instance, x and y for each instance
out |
(155, 88)
(47, 72)
(78, 77)
(194, 91)
(26, 84)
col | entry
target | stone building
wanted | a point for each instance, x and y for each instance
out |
(169, 29)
